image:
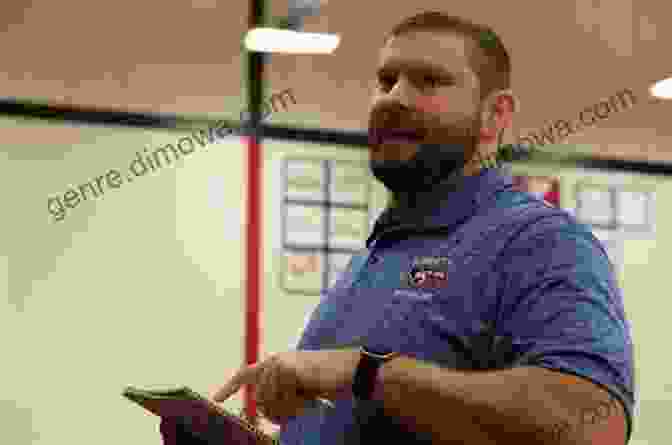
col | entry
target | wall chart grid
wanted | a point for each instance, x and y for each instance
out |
(325, 220)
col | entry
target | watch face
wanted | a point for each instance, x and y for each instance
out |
(377, 351)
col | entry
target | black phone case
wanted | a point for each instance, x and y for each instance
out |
(199, 415)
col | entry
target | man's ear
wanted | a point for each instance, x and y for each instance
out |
(498, 109)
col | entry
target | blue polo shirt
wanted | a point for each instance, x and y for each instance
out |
(472, 275)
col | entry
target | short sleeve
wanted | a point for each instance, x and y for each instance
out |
(563, 309)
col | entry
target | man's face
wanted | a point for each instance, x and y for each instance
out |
(426, 93)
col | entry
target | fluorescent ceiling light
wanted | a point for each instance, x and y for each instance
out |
(662, 89)
(271, 40)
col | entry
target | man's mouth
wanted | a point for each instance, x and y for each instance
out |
(383, 136)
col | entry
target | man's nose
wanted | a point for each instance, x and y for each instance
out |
(404, 92)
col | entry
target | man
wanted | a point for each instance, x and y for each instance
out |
(477, 314)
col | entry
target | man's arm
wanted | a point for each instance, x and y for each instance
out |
(522, 405)
(571, 378)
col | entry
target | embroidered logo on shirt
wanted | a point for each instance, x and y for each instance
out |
(431, 261)
(427, 272)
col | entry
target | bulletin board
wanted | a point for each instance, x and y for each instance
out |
(616, 213)
(326, 213)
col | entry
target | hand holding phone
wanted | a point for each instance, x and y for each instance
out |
(188, 418)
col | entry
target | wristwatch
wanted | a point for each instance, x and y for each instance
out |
(367, 369)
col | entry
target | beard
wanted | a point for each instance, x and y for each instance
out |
(443, 151)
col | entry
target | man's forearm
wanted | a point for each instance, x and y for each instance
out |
(521, 405)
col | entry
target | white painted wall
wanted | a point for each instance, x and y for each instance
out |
(144, 286)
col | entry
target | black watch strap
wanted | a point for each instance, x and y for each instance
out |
(366, 373)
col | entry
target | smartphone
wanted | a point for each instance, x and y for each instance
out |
(199, 415)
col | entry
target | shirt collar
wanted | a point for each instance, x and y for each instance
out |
(449, 202)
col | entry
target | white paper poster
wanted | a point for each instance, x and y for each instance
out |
(325, 207)
(305, 180)
(348, 229)
(303, 271)
(305, 225)
(594, 205)
(350, 183)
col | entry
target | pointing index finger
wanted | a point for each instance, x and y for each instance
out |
(245, 376)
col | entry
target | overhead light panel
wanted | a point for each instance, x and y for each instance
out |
(662, 89)
(272, 40)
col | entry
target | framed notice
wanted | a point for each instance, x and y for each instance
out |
(305, 225)
(594, 205)
(305, 180)
(615, 212)
(614, 207)
(325, 220)
(303, 272)
(635, 210)
(348, 228)
(350, 183)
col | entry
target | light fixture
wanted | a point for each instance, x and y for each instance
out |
(272, 40)
(662, 89)
(284, 35)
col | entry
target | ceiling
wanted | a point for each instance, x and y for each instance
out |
(184, 56)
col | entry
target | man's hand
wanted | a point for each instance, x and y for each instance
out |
(286, 382)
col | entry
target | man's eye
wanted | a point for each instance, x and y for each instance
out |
(386, 81)
(433, 81)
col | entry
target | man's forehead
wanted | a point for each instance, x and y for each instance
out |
(442, 49)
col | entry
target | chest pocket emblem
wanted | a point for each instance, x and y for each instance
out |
(427, 272)
(427, 278)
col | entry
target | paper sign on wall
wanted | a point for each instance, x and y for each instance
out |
(325, 214)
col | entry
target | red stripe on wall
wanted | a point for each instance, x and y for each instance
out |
(253, 260)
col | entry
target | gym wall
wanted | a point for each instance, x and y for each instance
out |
(144, 285)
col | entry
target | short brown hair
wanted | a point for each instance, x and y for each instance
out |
(491, 64)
